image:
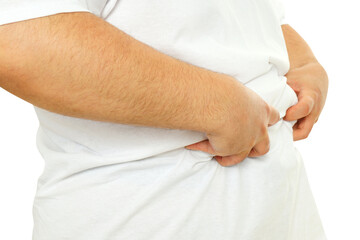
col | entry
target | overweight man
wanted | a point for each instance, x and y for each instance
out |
(166, 119)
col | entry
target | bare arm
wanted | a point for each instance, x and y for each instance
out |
(78, 65)
(308, 79)
(299, 51)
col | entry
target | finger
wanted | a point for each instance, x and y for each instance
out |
(302, 128)
(231, 160)
(274, 116)
(204, 146)
(260, 148)
(301, 109)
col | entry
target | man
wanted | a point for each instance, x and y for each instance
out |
(137, 99)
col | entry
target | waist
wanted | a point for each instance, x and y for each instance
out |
(73, 136)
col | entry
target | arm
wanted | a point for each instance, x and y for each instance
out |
(308, 79)
(298, 50)
(78, 65)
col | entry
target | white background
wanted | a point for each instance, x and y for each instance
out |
(330, 153)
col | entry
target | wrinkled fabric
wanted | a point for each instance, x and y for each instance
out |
(114, 181)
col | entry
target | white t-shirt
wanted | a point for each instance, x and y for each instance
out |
(113, 181)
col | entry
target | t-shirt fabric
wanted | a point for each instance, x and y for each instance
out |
(113, 181)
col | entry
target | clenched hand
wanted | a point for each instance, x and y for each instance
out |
(310, 82)
(243, 133)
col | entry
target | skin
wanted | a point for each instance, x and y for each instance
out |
(64, 68)
(310, 82)
(308, 79)
(77, 64)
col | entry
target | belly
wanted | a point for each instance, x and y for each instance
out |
(190, 186)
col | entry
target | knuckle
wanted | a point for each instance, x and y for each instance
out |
(225, 147)
(267, 148)
(264, 129)
(251, 144)
(231, 146)
(264, 149)
(264, 136)
(221, 153)
(261, 151)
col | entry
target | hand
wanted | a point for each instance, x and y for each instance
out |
(310, 82)
(244, 131)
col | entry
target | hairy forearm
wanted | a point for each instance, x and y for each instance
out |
(298, 50)
(78, 65)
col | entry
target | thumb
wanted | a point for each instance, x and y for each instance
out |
(204, 146)
(303, 108)
(274, 116)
